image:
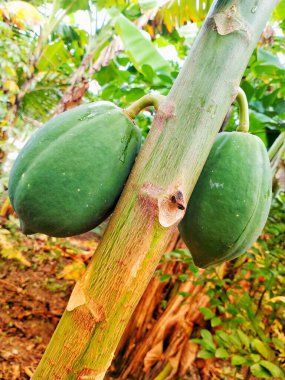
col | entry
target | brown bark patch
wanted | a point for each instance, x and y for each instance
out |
(90, 374)
(84, 319)
(97, 311)
(229, 21)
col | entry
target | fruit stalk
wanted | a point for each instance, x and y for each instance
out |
(145, 101)
(243, 111)
(276, 145)
(166, 171)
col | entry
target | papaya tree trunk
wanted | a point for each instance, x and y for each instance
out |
(156, 194)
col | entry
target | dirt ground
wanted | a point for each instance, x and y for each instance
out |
(36, 277)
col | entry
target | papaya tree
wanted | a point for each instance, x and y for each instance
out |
(167, 168)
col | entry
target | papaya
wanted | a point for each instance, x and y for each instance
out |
(230, 203)
(70, 174)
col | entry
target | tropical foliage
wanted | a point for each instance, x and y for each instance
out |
(56, 55)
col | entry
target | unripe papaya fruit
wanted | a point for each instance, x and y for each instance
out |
(231, 200)
(69, 175)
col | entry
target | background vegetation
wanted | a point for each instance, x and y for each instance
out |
(225, 322)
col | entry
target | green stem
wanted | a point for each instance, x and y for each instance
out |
(243, 111)
(147, 100)
(282, 152)
(276, 145)
(164, 373)
(277, 158)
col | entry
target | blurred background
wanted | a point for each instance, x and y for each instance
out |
(226, 322)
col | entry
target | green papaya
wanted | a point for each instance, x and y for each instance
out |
(231, 200)
(69, 176)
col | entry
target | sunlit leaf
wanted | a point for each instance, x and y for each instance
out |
(273, 369)
(238, 360)
(22, 13)
(221, 353)
(279, 11)
(53, 56)
(72, 6)
(140, 50)
(259, 371)
(145, 5)
(101, 4)
(243, 338)
(10, 252)
(205, 354)
(73, 271)
(263, 349)
(208, 314)
(11, 86)
(269, 58)
(177, 13)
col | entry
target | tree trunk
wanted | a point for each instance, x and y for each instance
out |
(156, 341)
(156, 194)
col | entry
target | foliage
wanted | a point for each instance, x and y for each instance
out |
(246, 309)
(262, 83)
(244, 321)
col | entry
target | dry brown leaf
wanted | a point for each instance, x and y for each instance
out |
(153, 356)
(188, 357)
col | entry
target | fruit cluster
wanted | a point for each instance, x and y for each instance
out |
(68, 177)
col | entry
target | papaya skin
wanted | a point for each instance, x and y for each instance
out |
(230, 204)
(70, 174)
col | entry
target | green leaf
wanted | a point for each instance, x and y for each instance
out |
(208, 314)
(184, 294)
(72, 6)
(165, 277)
(216, 321)
(278, 343)
(272, 368)
(193, 269)
(279, 11)
(205, 354)
(262, 118)
(146, 5)
(148, 72)
(140, 50)
(263, 349)
(255, 358)
(208, 339)
(224, 337)
(259, 371)
(269, 58)
(243, 338)
(53, 56)
(183, 277)
(235, 340)
(134, 94)
(221, 353)
(166, 80)
(238, 360)
(232, 309)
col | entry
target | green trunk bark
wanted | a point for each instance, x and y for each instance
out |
(156, 194)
